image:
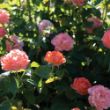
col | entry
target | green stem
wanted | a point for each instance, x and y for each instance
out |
(105, 11)
(52, 71)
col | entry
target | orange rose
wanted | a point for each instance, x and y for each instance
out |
(81, 85)
(55, 57)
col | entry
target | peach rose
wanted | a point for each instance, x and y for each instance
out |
(2, 32)
(106, 39)
(81, 85)
(14, 60)
(99, 97)
(63, 42)
(4, 16)
(55, 57)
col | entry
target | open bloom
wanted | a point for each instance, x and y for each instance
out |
(15, 60)
(55, 57)
(44, 24)
(13, 43)
(2, 32)
(62, 42)
(106, 39)
(96, 24)
(99, 97)
(4, 16)
(78, 2)
(81, 85)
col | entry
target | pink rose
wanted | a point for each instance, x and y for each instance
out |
(13, 43)
(2, 32)
(106, 39)
(63, 42)
(96, 24)
(14, 60)
(4, 16)
(99, 97)
(78, 2)
(44, 24)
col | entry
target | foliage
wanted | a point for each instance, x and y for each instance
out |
(42, 86)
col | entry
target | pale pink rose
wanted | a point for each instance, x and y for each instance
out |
(106, 39)
(78, 2)
(15, 60)
(2, 32)
(4, 16)
(96, 24)
(63, 42)
(44, 24)
(13, 43)
(99, 97)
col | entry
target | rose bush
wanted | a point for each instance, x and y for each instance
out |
(54, 55)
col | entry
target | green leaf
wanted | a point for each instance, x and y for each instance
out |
(5, 105)
(29, 95)
(8, 85)
(51, 79)
(35, 64)
(40, 84)
(43, 71)
(12, 86)
(97, 2)
(60, 103)
(1, 1)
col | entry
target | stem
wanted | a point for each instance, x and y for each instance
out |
(105, 11)
(23, 75)
(52, 71)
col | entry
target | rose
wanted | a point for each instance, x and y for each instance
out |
(55, 57)
(14, 60)
(2, 32)
(81, 85)
(78, 2)
(4, 16)
(99, 97)
(63, 42)
(106, 39)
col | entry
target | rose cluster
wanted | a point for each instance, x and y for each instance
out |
(16, 59)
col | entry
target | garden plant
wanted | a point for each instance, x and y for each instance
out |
(54, 54)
